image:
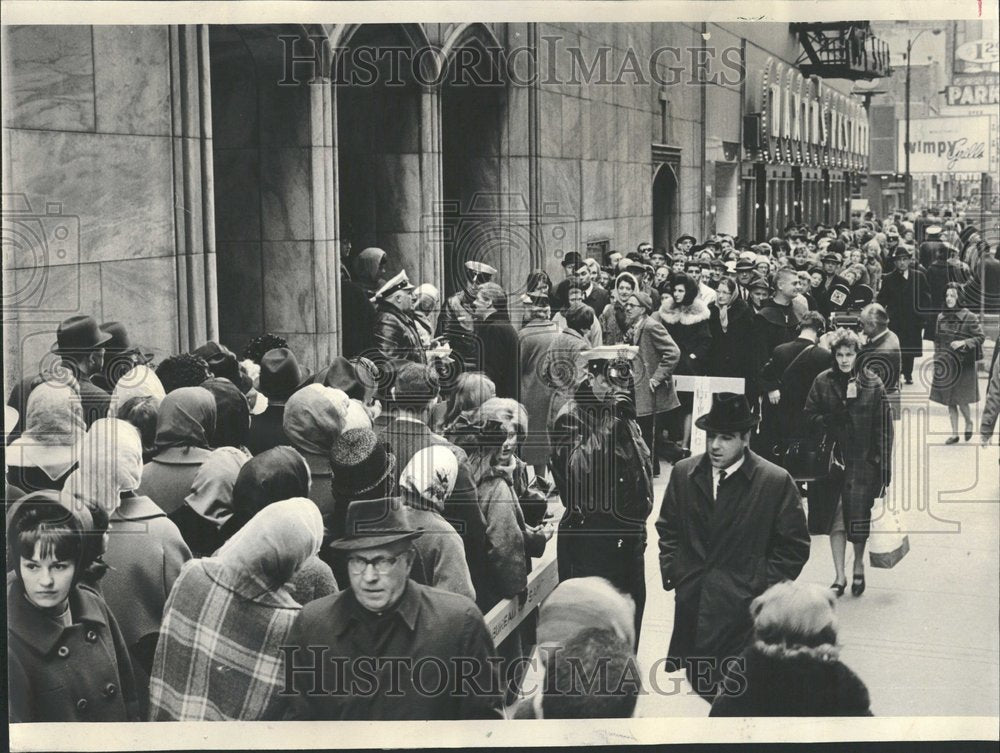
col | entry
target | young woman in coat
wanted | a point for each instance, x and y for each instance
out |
(686, 317)
(219, 654)
(67, 659)
(612, 319)
(850, 404)
(730, 324)
(958, 340)
(654, 367)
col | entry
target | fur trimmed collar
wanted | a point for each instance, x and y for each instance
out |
(673, 313)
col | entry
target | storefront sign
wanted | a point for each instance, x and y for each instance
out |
(958, 95)
(807, 123)
(946, 145)
(979, 52)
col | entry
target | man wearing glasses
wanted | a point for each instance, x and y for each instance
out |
(389, 648)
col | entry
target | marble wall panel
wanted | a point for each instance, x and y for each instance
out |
(241, 289)
(550, 132)
(288, 290)
(514, 133)
(142, 294)
(286, 197)
(598, 193)
(404, 251)
(600, 229)
(119, 186)
(560, 186)
(237, 194)
(303, 345)
(283, 113)
(398, 189)
(49, 77)
(132, 79)
(571, 118)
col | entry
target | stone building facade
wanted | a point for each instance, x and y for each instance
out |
(202, 182)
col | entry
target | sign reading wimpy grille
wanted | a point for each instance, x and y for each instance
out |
(947, 145)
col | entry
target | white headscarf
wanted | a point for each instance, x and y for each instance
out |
(110, 463)
(211, 494)
(431, 475)
(140, 381)
(53, 429)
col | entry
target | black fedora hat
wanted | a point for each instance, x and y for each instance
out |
(121, 343)
(682, 238)
(901, 252)
(281, 375)
(79, 333)
(375, 522)
(730, 413)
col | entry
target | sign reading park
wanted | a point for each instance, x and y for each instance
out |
(946, 145)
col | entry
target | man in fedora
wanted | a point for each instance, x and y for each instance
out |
(906, 297)
(389, 648)
(80, 347)
(731, 525)
(120, 356)
(281, 376)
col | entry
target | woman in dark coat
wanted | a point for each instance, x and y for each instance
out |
(851, 405)
(958, 344)
(67, 659)
(686, 317)
(612, 319)
(730, 321)
(792, 667)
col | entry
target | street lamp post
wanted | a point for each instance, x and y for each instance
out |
(908, 179)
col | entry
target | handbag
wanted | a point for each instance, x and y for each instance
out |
(811, 459)
(887, 544)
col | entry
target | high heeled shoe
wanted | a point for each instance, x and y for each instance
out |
(858, 584)
(968, 432)
(952, 440)
(838, 588)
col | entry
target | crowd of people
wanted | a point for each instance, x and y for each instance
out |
(216, 536)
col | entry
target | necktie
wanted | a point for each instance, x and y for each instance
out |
(722, 477)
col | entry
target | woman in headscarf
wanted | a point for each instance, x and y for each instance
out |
(424, 485)
(67, 660)
(314, 418)
(232, 413)
(277, 474)
(185, 427)
(369, 270)
(145, 551)
(219, 654)
(209, 504)
(45, 454)
(141, 381)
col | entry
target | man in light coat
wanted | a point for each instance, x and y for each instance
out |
(731, 525)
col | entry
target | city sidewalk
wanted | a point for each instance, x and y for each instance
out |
(924, 636)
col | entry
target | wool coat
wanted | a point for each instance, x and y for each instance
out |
(956, 377)
(688, 326)
(907, 302)
(783, 684)
(498, 354)
(731, 351)
(793, 376)
(659, 358)
(863, 429)
(457, 325)
(613, 324)
(80, 673)
(882, 356)
(535, 341)
(720, 554)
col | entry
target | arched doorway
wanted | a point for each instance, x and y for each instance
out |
(665, 218)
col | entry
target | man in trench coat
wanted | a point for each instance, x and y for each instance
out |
(907, 299)
(731, 525)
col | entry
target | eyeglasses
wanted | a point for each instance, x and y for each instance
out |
(383, 565)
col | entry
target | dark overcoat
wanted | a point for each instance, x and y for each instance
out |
(882, 356)
(956, 377)
(719, 555)
(658, 358)
(791, 370)
(535, 341)
(906, 301)
(863, 429)
(395, 335)
(80, 673)
(496, 340)
(731, 352)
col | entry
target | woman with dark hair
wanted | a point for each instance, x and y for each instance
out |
(67, 659)
(958, 345)
(686, 318)
(614, 322)
(277, 474)
(185, 427)
(849, 405)
(538, 282)
(232, 413)
(730, 323)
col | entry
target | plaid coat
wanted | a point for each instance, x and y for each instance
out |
(218, 655)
